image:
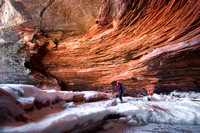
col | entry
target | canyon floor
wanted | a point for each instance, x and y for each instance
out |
(101, 112)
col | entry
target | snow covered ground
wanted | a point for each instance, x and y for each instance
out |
(176, 112)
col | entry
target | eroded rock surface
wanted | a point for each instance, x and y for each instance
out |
(11, 110)
(147, 45)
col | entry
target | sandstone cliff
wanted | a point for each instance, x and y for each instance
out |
(148, 45)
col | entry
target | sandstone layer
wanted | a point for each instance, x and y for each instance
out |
(148, 45)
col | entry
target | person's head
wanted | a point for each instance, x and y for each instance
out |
(117, 82)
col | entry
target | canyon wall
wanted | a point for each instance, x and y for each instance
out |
(24, 20)
(150, 45)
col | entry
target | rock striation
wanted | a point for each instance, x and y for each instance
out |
(150, 45)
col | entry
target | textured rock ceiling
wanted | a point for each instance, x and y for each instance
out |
(150, 44)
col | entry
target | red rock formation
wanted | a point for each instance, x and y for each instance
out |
(10, 108)
(23, 20)
(150, 44)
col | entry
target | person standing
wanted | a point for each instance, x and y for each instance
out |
(120, 91)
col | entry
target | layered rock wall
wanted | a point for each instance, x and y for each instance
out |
(148, 45)
(24, 21)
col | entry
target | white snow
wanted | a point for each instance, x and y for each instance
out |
(68, 105)
(175, 108)
(93, 95)
(27, 94)
(2, 41)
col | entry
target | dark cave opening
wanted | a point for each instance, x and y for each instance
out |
(27, 64)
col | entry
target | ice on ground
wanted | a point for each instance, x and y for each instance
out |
(68, 105)
(28, 94)
(151, 128)
(90, 96)
(175, 108)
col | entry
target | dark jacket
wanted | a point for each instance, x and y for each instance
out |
(119, 88)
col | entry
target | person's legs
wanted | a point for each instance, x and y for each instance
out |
(120, 97)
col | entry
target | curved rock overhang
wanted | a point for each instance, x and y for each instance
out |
(148, 45)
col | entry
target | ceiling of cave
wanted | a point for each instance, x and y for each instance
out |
(89, 44)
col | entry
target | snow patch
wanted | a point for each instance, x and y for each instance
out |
(27, 95)
(175, 108)
(68, 105)
(95, 96)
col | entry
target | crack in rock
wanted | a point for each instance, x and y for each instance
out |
(44, 9)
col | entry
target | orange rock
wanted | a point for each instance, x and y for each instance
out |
(40, 43)
(50, 45)
(31, 45)
(61, 47)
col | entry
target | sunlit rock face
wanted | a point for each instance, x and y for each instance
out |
(22, 22)
(147, 45)
(51, 15)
